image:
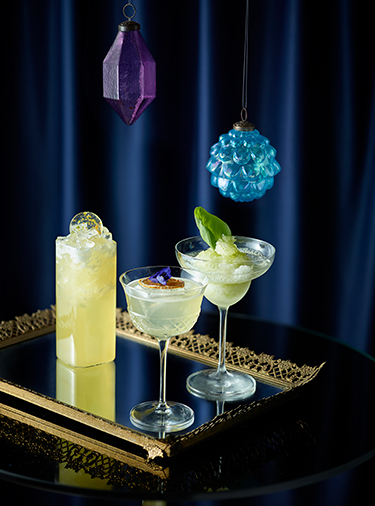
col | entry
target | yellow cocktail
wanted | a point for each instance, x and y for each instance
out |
(86, 293)
(164, 313)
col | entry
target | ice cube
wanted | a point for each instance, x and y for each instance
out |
(86, 223)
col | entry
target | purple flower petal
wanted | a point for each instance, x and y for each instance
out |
(161, 276)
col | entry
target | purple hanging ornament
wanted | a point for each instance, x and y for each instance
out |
(129, 72)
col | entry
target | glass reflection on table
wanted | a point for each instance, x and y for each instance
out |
(32, 364)
(91, 389)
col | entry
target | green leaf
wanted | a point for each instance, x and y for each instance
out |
(211, 227)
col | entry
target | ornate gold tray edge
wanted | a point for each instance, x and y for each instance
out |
(90, 444)
(265, 368)
(203, 348)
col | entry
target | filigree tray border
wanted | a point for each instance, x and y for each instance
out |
(203, 348)
(265, 368)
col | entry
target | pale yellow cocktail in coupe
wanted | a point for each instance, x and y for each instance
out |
(86, 293)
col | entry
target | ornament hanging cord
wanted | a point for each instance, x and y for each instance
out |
(245, 65)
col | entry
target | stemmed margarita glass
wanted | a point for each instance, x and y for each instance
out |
(163, 302)
(229, 281)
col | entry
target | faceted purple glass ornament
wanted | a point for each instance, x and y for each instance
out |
(243, 164)
(129, 73)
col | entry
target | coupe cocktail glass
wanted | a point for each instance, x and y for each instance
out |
(229, 281)
(163, 312)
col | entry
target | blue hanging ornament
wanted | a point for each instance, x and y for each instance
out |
(243, 163)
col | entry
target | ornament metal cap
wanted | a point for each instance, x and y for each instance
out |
(129, 26)
(244, 126)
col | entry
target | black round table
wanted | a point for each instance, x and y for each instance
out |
(313, 445)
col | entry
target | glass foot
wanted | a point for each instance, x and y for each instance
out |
(153, 417)
(221, 386)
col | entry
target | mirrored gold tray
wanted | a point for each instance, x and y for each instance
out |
(43, 424)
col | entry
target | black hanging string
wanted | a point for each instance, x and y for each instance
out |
(245, 65)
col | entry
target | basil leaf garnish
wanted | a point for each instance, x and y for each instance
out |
(211, 227)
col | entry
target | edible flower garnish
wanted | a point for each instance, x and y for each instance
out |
(211, 227)
(161, 276)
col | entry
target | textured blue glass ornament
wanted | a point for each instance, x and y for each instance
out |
(242, 163)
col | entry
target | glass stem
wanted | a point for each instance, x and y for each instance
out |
(163, 348)
(222, 339)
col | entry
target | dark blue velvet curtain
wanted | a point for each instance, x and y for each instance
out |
(311, 91)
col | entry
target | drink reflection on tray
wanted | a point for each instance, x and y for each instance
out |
(91, 389)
